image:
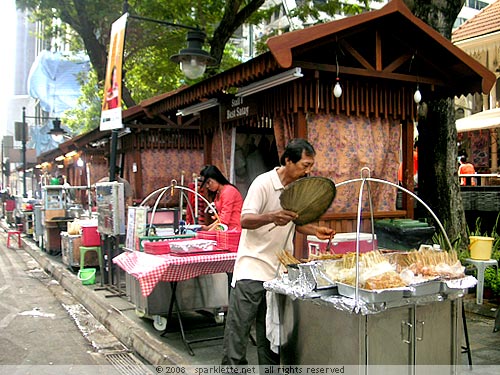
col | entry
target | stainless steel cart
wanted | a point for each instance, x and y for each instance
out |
(405, 336)
(205, 292)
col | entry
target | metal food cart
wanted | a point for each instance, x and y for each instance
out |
(406, 333)
(70, 252)
(407, 329)
(394, 330)
(205, 292)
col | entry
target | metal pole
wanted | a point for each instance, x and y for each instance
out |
(3, 185)
(25, 195)
(112, 157)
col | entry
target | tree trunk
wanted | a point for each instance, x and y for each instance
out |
(437, 172)
(437, 140)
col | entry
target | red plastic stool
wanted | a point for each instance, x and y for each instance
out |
(14, 233)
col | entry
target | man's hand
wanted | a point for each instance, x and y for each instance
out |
(325, 233)
(283, 217)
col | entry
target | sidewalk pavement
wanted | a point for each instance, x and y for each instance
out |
(117, 313)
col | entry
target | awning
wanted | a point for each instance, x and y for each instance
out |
(483, 120)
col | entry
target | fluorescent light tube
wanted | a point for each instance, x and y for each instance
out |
(267, 83)
(198, 107)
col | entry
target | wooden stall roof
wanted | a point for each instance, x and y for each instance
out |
(86, 142)
(386, 44)
(390, 43)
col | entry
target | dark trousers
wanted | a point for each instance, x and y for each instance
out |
(247, 304)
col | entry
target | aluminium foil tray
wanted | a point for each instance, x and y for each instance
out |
(372, 296)
(423, 289)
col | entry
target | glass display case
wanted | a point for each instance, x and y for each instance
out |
(110, 200)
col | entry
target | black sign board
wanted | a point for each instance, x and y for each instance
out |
(238, 108)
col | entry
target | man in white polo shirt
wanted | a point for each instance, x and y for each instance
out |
(257, 260)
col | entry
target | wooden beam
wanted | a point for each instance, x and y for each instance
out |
(372, 73)
(378, 51)
(396, 63)
(357, 55)
(186, 126)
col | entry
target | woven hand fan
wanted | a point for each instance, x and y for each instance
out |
(309, 197)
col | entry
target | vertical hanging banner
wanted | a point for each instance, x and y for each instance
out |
(111, 115)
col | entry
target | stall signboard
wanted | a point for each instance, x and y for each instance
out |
(238, 108)
(136, 226)
(53, 198)
(110, 199)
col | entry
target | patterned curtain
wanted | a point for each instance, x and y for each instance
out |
(283, 131)
(344, 145)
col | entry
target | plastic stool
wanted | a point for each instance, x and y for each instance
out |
(83, 251)
(481, 265)
(11, 233)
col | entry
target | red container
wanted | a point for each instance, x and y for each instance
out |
(342, 243)
(157, 247)
(90, 236)
(207, 235)
(228, 240)
(10, 205)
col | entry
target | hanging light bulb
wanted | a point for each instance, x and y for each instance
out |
(417, 96)
(337, 90)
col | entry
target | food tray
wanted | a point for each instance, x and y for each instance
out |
(198, 253)
(372, 296)
(309, 274)
(423, 289)
(326, 291)
(458, 285)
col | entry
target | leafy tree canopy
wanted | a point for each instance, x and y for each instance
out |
(85, 25)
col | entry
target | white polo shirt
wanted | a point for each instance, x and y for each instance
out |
(257, 252)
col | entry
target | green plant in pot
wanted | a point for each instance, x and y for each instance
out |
(491, 275)
(492, 282)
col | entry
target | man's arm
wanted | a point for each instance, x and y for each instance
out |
(254, 221)
(323, 233)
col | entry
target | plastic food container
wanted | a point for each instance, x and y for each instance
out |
(342, 243)
(228, 240)
(90, 236)
(157, 247)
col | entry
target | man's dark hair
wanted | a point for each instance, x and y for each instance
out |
(294, 149)
(463, 159)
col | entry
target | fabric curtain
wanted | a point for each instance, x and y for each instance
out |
(344, 145)
(283, 131)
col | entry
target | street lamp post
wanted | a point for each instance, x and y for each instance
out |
(23, 140)
(56, 130)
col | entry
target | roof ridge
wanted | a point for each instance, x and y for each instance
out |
(486, 21)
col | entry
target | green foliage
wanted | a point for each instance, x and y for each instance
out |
(491, 277)
(86, 25)
(492, 280)
(86, 116)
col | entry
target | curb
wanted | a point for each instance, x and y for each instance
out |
(129, 333)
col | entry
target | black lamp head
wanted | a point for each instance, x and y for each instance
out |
(193, 59)
(57, 130)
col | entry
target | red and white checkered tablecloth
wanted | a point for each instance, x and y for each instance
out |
(150, 269)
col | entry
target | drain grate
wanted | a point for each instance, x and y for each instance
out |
(127, 364)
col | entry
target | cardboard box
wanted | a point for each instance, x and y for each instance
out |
(49, 214)
(342, 243)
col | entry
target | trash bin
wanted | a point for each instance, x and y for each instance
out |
(403, 234)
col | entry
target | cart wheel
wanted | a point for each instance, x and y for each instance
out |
(219, 317)
(159, 322)
(140, 313)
